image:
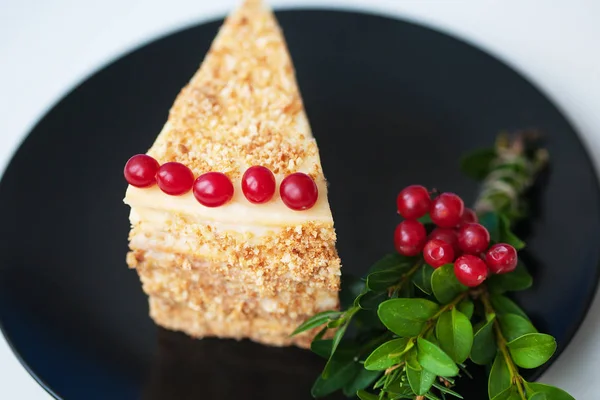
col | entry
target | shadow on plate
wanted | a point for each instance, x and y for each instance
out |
(186, 368)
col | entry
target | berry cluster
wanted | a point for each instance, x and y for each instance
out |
(457, 237)
(298, 191)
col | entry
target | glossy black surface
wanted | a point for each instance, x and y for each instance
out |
(390, 104)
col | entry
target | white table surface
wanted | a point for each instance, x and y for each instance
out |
(48, 46)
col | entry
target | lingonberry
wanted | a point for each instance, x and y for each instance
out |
(298, 191)
(258, 184)
(409, 237)
(437, 253)
(473, 238)
(174, 178)
(501, 258)
(470, 270)
(469, 216)
(447, 210)
(413, 202)
(447, 235)
(140, 171)
(213, 189)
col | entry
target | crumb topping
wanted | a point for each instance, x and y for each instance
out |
(243, 106)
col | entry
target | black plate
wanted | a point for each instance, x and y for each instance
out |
(391, 103)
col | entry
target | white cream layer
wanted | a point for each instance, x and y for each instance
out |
(238, 211)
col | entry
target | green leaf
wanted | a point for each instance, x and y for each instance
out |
(363, 395)
(362, 380)
(335, 323)
(504, 305)
(341, 374)
(406, 291)
(406, 317)
(399, 388)
(477, 164)
(321, 333)
(507, 236)
(408, 395)
(351, 288)
(551, 392)
(455, 334)
(444, 284)
(539, 396)
(382, 280)
(431, 396)
(484, 344)
(532, 350)
(393, 261)
(466, 307)
(444, 389)
(346, 350)
(337, 337)
(425, 219)
(434, 359)
(368, 319)
(430, 335)
(322, 348)
(510, 393)
(422, 278)
(317, 320)
(380, 359)
(519, 279)
(514, 326)
(411, 358)
(499, 379)
(491, 221)
(370, 300)
(419, 379)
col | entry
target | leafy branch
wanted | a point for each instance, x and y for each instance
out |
(414, 327)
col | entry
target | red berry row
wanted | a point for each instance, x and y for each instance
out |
(298, 191)
(458, 237)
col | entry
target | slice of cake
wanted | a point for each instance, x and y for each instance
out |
(223, 249)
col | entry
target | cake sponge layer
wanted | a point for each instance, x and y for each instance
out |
(271, 331)
(220, 298)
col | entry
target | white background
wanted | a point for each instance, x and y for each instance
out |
(48, 46)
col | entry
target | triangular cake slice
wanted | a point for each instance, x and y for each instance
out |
(240, 270)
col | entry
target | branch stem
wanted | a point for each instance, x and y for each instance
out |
(513, 370)
(405, 277)
(431, 323)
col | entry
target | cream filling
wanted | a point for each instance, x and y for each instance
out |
(238, 211)
(176, 244)
(157, 220)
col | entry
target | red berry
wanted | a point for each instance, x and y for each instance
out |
(140, 171)
(258, 184)
(298, 191)
(473, 238)
(470, 270)
(437, 253)
(469, 216)
(174, 178)
(413, 202)
(213, 189)
(446, 210)
(501, 258)
(447, 235)
(409, 237)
